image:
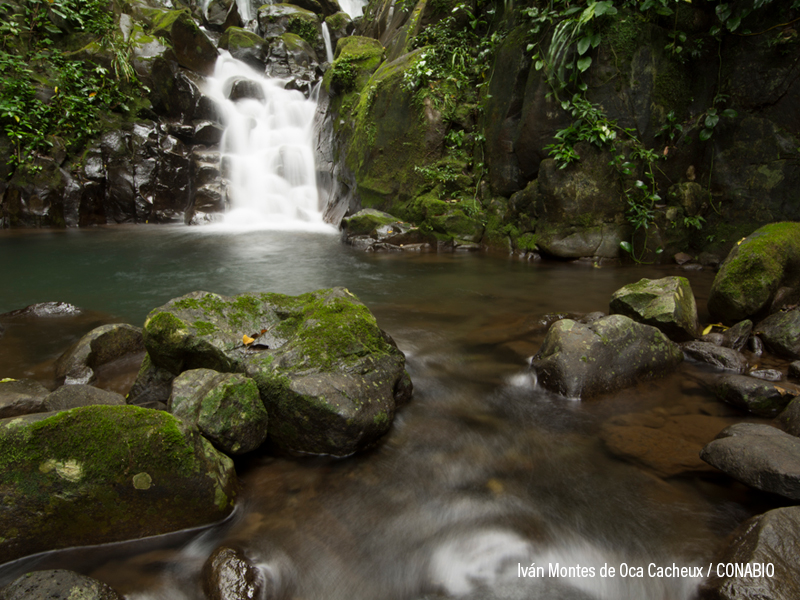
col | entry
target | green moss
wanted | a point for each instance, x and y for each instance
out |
(204, 327)
(237, 37)
(672, 88)
(526, 242)
(337, 21)
(328, 328)
(164, 324)
(304, 27)
(366, 221)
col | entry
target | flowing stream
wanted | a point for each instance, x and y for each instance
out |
(481, 475)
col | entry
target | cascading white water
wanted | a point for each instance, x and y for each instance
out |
(326, 36)
(266, 150)
(352, 7)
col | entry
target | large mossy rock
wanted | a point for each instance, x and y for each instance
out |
(103, 474)
(245, 46)
(754, 271)
(328, 376)
(193, 49)
(770, 538)
(225, 407)
(667, 304)
(761, 456)
(581, 361)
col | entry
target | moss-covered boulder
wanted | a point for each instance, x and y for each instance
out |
(581, 361)
(245, 46)
(329, 377)
(103, 474)
(754, 271)
(225, 407)
(667, 304)
(193, 49)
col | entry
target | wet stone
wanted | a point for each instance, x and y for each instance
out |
(229, 575)
(736, 336)
(715, 356)
(762, 398)
(21, 397)
(57, 584)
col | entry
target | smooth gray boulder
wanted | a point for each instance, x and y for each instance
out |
(610, 353)
(98, 347)
(667, 304)
(74, 396)
(225, 407)
(21, 397)
(57, 584)
(720, 357)
(780, 333)
(772, 538)
(761, 456)
(329, 377)
(760, 397)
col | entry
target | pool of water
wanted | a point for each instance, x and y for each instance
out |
(482, 474)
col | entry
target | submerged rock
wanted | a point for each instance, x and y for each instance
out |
(769, 538)
(761, 456)
(754, 271)
(329, 378)
(58, 584)
(225, 407)
(581, 361)
(98, 347)
(667, 304)
(102, 474)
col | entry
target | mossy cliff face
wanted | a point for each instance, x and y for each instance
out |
(742, 177)
(755, 270)
(103, 474)
(327, 375)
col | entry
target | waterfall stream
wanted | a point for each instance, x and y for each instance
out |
(267, 157)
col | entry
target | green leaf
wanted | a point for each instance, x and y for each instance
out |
(626, 246)
(705, 135)
(733, 23)
(583, 45)
(539, 65)
(711, 121)
(595, 39)
(584, 63)
(730, 113)
(606, 7)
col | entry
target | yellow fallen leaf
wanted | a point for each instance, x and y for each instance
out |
(247, 340)
(708, 329)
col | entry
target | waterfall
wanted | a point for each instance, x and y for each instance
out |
(326, 35)
(266, 151)
(352, 7)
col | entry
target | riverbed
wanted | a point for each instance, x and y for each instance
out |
(482, 475)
